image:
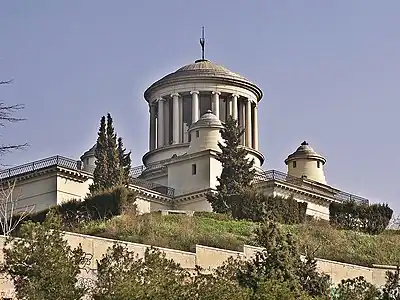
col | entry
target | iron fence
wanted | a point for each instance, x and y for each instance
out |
(41, 164)
(77, 165)
(162, 189)
(338, 195)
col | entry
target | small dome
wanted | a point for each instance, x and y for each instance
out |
(207, 120)
(89, 152)
(305, 151)
(200, 69)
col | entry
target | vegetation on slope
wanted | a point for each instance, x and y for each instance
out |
(215, 230)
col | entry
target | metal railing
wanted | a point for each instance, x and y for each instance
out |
(139, 170)
(77, 165)
(338, 195)
(162, 189)
(41, 164)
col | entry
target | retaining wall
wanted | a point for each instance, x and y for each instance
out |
(205, 257)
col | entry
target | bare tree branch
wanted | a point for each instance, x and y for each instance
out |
(7, 111)
(7, 115)
(11, 213)
(6, 82)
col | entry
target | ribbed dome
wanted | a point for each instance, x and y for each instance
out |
(203, 68)
(89, 152)
(207, 120)
(305, 151)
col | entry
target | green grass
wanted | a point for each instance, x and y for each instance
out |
(183, 233)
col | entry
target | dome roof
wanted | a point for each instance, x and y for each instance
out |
(305, 151)
(89, 152)
(204, 68)
(207, 120)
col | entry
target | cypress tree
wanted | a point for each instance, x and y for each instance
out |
(237, 170)
(124, 161)
(101, 170)
(114, 174)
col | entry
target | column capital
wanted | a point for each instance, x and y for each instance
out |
(194, 92)
(160, 99)
(175, 95)
(216, 93)
(235, 95)
(248, 100)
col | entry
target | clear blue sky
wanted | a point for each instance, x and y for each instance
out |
(329, 71)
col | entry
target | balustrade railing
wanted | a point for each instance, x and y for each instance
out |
(77, 165)
(41, 164)
(338, 195)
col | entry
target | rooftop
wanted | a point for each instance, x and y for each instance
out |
(203, 68)
(270, 175)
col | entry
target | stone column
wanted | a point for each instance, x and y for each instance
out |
(255, 129)
(228, 107)
(175, 118)
(234, 102)
(195, 106)
(215, 103)
(160, 123)
(152, 136)
(181, 119)
(242, 112)
(248, 124)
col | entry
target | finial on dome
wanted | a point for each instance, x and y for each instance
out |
(202, 43)
(209, 111)
(304, 143)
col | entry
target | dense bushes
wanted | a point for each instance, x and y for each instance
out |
(372, 219)
(100, 206)
(259, 207)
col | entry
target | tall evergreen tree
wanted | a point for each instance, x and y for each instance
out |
(114, 174)
(237, 170)
(124, 161)
(101, 169)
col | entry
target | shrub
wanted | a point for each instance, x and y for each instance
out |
(350, 215)
(100, 206)
(259, 207)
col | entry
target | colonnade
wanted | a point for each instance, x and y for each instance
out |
(240, 108)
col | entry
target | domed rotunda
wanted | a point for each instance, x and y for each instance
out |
(177, 101)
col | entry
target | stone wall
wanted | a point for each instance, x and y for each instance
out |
(207, 258)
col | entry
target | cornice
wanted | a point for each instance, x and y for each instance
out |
(80, 176)
(192, 196)
(151, 195)
(322, 199)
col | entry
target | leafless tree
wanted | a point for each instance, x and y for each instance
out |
(11, 214)
(394, 223)
(7, 115)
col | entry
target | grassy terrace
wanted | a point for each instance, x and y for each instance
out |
(183, 233)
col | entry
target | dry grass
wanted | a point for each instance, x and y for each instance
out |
(208, 229)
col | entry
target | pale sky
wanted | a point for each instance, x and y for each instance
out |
(329, 71)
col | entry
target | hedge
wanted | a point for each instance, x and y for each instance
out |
(259, 207)
(350, 215)
(103, 205)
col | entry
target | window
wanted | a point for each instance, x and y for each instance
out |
(197, 133)
(194, 169)
(189, 137)
(294, 164)
(318, 164)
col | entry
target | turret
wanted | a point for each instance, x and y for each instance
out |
(88, 159)
(204, 134)
(306, 163)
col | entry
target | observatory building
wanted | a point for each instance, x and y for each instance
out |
(187, 109)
